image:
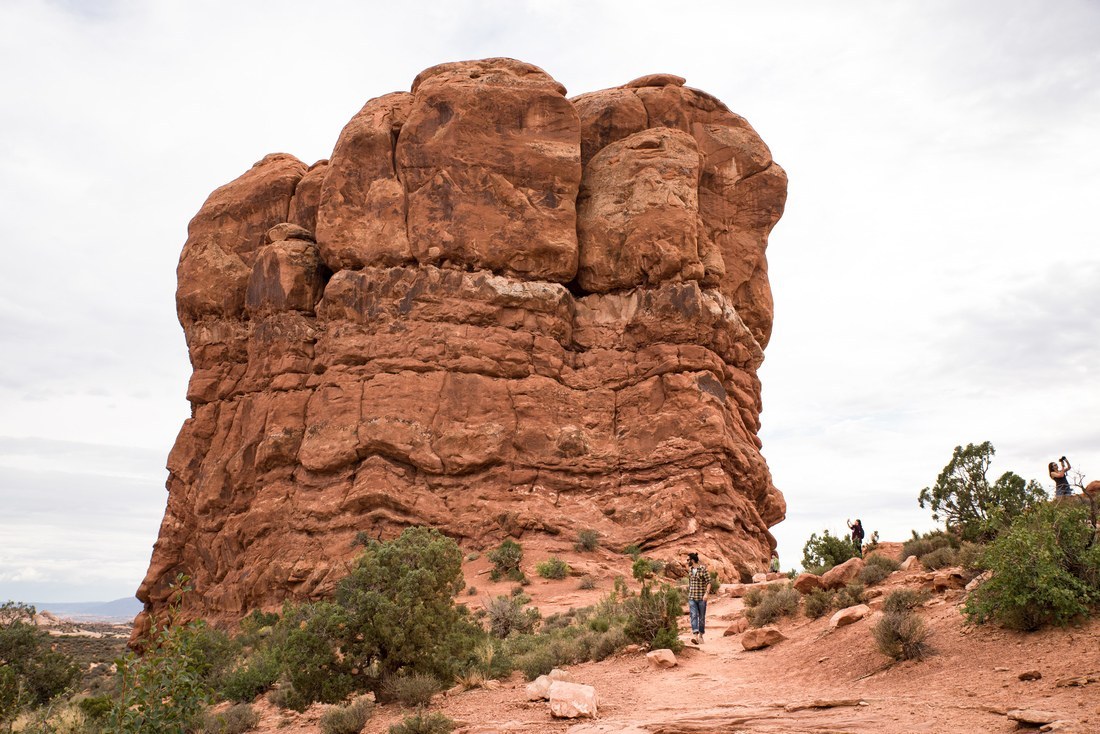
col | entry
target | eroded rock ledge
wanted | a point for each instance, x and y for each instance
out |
(494, 310)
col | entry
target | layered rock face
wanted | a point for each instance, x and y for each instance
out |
(496, 311)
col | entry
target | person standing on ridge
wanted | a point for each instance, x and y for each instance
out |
(698, 586)
(1058, 471)
(857, 536)
(774, 565)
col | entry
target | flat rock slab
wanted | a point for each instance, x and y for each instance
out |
(1035, 717)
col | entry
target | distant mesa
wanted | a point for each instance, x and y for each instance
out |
(495, 310)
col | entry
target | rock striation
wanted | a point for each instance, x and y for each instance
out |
(494, 310)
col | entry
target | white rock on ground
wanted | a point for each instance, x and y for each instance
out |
(572, 701)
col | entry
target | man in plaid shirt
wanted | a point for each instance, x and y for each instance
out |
(698, 586)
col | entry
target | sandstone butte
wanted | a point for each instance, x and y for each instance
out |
(495, 310)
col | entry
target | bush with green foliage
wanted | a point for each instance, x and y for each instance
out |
(818, 603)
(587, 541)
(870, 575)
(877, 559)
(901, 635)
(903, 600)
(506, 561)
(401, 615)
(644, 569)
(552, 568)
(940, 558)
(508, 615)
(966, 501)
(424, 723)
(715, 584)
(824, 551)
(163, 691)
(850, 596)
(412, 690)
(652, 617)
(633, 551)
(1046, 571)
(236, 719)
(587, 583)
(347, 719)
(773, 601)
(31, 673)
(922, 544)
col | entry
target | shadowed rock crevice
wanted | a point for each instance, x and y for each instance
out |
(492, 310)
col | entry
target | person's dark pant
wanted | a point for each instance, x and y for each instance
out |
(697, 608)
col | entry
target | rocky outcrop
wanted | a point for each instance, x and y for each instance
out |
(493, 310)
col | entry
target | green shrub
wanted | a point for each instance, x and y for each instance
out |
(775, 602)
(507, 615)
(652, 615)
(311, 639)
(882, 561)
(1046, 570)
(633, 551)
(870, 575)
(901, 635)
(850, 596)
(348, 719)
(646, 568)
(234, 720)
(920, 545)
(715, 584)
(969, 557)
(825, 551)
(903, 600)
(539, 661)
(587, 540)
(553, 568)
(251, 678)
(411, 690)
(471, 591)
(281, 696)
(423, 723)
(587, 583)
(401, 615)
(95, 708)
(163, 691)
(939, 558)
(818, 603)
(506, 561)
(35, 674)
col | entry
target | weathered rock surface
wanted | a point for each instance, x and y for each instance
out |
(403, 335)
(662, 658)
(761, 637)
(807, 583)
(573, 701)
(848, 615)
(840, 576)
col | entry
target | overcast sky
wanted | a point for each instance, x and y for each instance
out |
(935, 275)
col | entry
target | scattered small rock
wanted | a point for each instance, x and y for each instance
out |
(736, 627)
(1078, 680)
(1030, 675)
(910, 564)
(539, 688)
(663, 658)
(840, 576)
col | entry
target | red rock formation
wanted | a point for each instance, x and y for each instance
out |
(414, 333)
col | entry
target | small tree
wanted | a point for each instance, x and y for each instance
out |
(965, 500)
(399, 601)
(824, 551)
(31, 674)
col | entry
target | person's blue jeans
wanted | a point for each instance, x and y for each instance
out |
(698, 610)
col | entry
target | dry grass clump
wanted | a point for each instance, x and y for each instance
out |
(348, 719)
